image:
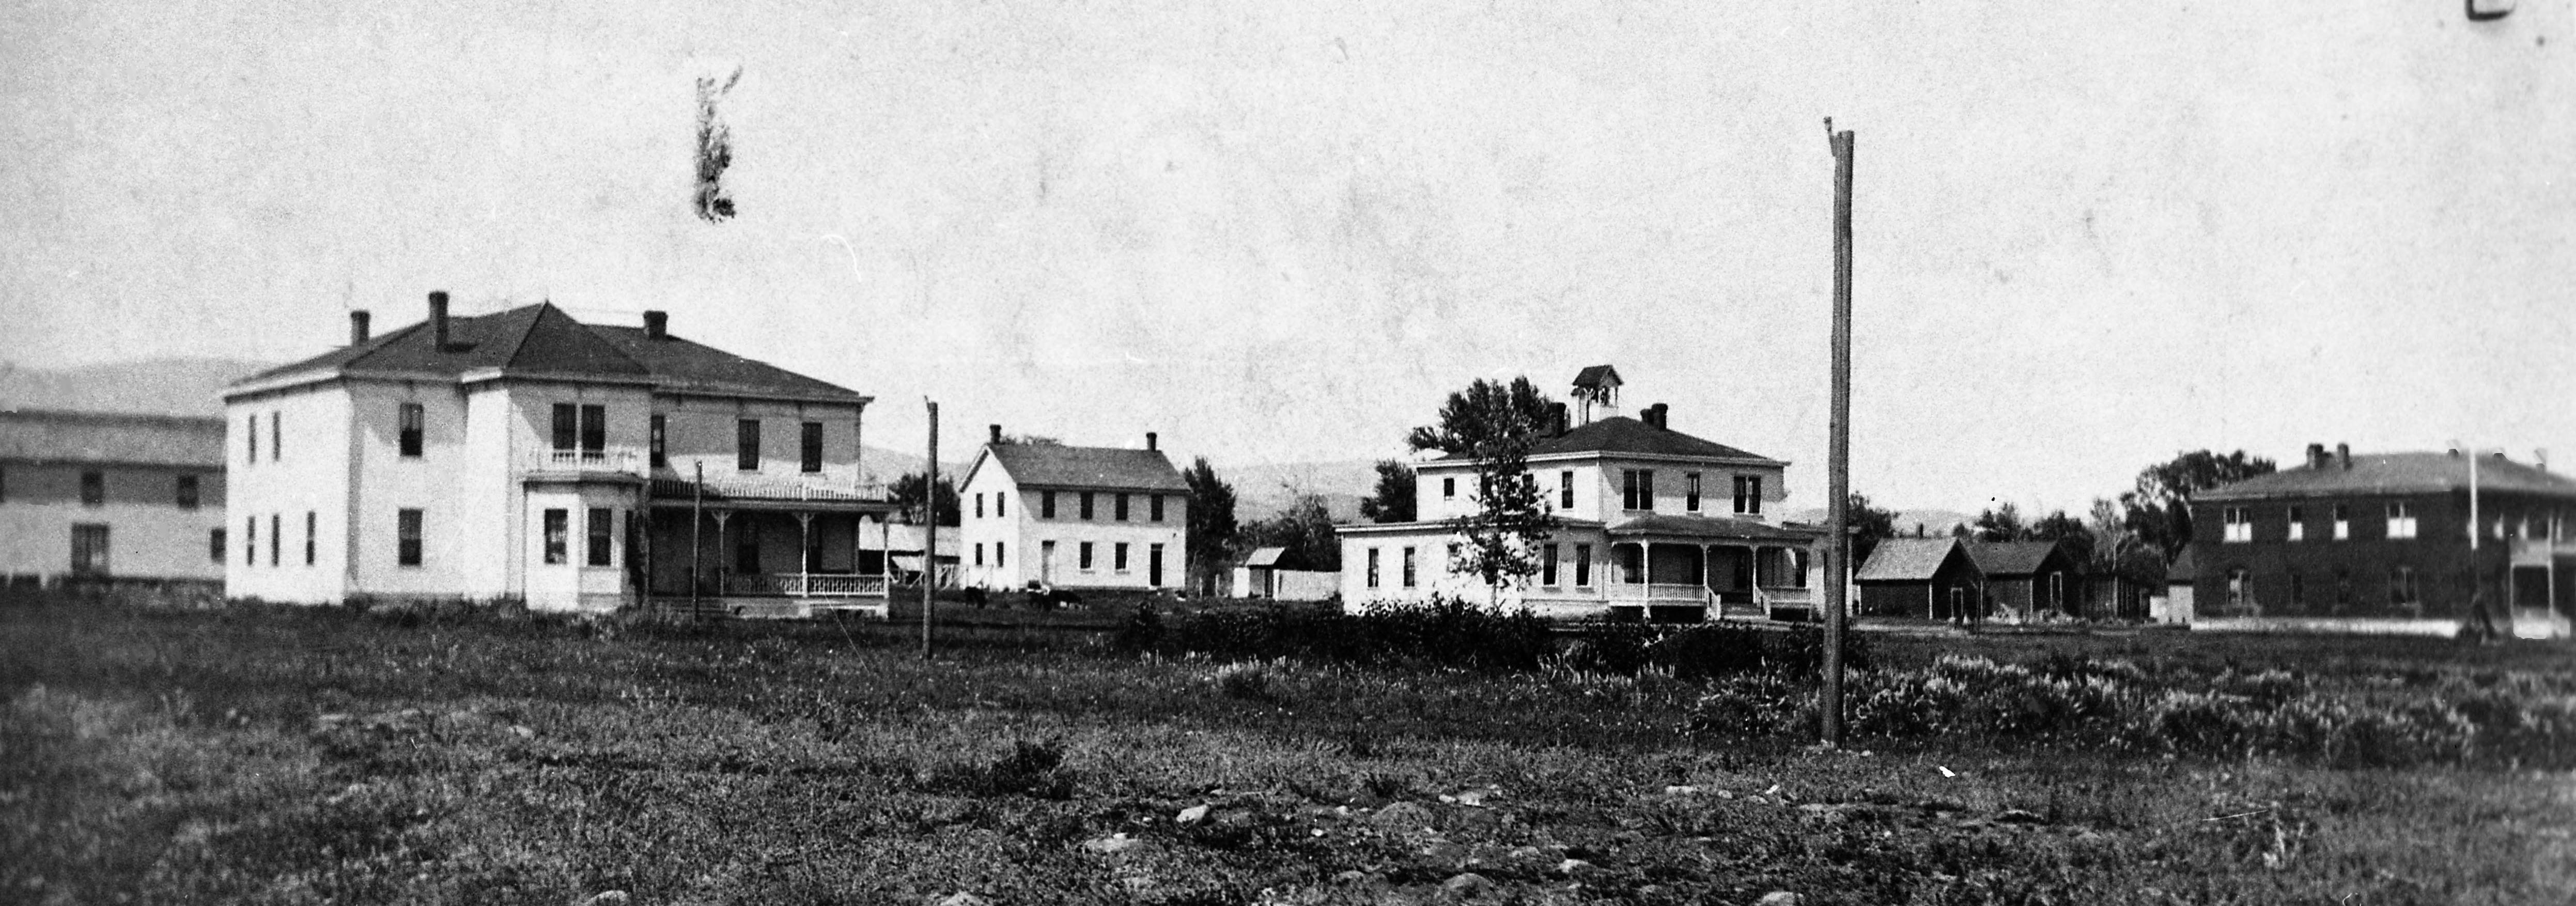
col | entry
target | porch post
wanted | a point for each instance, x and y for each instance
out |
(805, 554)
(723, 572)
(697, 525)
(1646, 559)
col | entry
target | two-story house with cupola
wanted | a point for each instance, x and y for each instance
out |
(1054, 516)
(524, 454)
(1653, 523)
(2385, 541)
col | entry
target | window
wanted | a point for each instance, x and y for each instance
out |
(215, 545)
(1118, 556)
(979, 553)
(999, 549)
(2240, 525)
(558, 536)
(276, 439)
(746, 444)
(2401, 520)
(2057, 590)
(312, 547)
(408, 423)
(1122, 507)
(1636, 489)
(1046, 504)
(1748, 494)
(2298, 589)
(2401, 587)
(93, 488)
(1154, 565)
(1408, 567)
(809, 447)
(1086, 506)
(4, 483)
(2240, 588)
(660, 441)
(2298, 532)
(276, 534)
(1154, 507)
(1449, 488)
(1565, 489)
(1372, 567)
(2342, 522)
(998, 497)
(407, 537)
(746, 552)
(1798, 564)
(1449, 557)
(1583, 566)
(1547, 564)
(187, 492)
(1083, 555)
(89, 549)
(599, 547)
(594, 431)
(250, 541)
(979, 512)
(2343, 590)
(567, 426)
(1690, 494)
(253, 433)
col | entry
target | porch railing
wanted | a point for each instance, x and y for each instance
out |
(1677, 593)
(590, 461)
(805, 585)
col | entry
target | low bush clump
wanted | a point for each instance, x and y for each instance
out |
(1447, 632)
(1032, 769)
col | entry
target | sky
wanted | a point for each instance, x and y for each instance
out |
(2087, 236)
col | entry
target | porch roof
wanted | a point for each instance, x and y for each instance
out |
(768, 494)
(1666, 525)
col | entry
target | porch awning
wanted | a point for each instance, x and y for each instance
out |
(770, 494)
(1712, 528)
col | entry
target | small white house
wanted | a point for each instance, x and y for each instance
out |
(1056, 516)
(97, 497)
(526, 454)
(1653, 522)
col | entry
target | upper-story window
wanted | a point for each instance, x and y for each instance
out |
(1449, 488)
(1154, 507)
(1121, 508)
(998, 497)
(1086, 506)
(809, 447)
(2298, 523)
(1690, 496)
(746, 444)
(1046, 504)
(1565, 489)
(93, 488)
(1636, 489)
(660, 441)
(2342, 522)
(407, 419)
(2401, 520)
(979, 514)
(1748, 494)
(276, 438)
(251, 429)
(187, 492)
(2240, 525)
(582, 428)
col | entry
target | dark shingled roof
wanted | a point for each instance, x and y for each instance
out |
(1708, 527)
(52, 436)
(1621, 434)
(1591, 376)
(541, 338)
(1115, 468)
(1906, 559)
(2010, 558)
(2396, 473)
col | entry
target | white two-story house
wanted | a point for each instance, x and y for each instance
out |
(525, 454)
(1053, 516)
(1652, 523)
(101, 497)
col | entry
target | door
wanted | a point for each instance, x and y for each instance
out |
(1046, 562)
(1154, 566)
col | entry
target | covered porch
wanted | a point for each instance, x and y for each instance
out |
(717, 550)
(1689, 569)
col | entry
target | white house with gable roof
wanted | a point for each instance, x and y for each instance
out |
(1054, 516)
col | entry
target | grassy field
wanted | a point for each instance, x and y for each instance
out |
(278, 755)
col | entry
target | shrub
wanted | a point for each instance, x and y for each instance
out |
(1032, 769)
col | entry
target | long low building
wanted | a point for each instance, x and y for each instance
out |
(108, 497)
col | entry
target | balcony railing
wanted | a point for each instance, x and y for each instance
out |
(623, 461)
(803, 489)
(805, 585)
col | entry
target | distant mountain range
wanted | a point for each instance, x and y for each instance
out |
(154, 386)
(1934, 523)
(1263, 490)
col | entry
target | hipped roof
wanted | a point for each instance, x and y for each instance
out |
(2397, 473)
(59, 436)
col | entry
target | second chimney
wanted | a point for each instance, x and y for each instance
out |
(357, 327)
(997, 434)
(438, 319)
(657, 325)
(2316, 456)
(1556, 420)
(1659, 414)
(1150, 440)
(2343, 454)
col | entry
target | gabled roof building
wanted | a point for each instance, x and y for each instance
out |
(1046, 515)
(98, 497)
(525, 454)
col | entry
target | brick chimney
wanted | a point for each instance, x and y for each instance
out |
(997, 434)
(657, 325)
(1150, 440)
(2343, 454)
(438, 319)
(1556, 420)
(357, 327)
(2316, 456)
(1658, 414)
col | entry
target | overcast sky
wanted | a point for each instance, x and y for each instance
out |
(2088, 235)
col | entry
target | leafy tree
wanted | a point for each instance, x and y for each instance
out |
(1496, 424)
(2001, 523)
(1211, 525)
(1488, 415)
(2159, 511)
(1869, 525)
(1393, 501)
(908, 494)
(2069, 532)
(1305, 528)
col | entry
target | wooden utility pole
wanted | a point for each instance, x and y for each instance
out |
(697, 521)
(930, 530)
(1838, 450)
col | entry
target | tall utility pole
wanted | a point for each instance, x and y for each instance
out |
(1838, 450)
(930, 530)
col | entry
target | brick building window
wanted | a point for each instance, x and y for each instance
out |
(2342, 522)
(216, 546)
(2298, 523)
(2240, 589)
(410, 419)
(2401, 587)
(93, 488)
(659, 441)
(2401, 520)
(2240, 525)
